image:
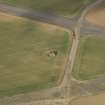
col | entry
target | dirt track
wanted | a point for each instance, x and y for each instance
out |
(90, 100)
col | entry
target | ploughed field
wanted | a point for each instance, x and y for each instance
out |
(33, 55)
(90, 100)
(66, 8)
(97, 15)
(90, 60)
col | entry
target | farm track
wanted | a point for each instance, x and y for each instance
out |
(76, 25)
(78, 31)
(91, 29)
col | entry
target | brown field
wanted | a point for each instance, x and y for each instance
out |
(90, 100)
(97, 15)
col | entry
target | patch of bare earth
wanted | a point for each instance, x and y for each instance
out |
(90, 100)
(97, 15)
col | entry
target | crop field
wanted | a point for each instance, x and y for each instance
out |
(27, 60)
(97, 15)
(90, 61)
(61, 7)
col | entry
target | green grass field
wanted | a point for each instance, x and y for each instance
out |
(61, 7)
(90, 61)
(24, 63)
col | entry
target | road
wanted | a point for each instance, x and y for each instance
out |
(92, 86)
(90, 29)
(78, 28)
(84, 28)
(40, 16)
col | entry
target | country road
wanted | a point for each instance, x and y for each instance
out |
(52, 19)
(84, 28)
(91, 29)
(40, 16)
(66, 81)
